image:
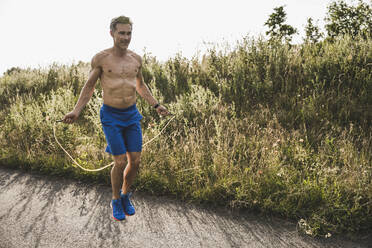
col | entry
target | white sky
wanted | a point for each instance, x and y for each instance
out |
(39, 32)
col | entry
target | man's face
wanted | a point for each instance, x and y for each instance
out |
(122, 35)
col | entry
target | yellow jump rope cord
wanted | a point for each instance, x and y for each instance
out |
(104, 167)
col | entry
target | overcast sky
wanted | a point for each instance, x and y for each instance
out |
(39, 32)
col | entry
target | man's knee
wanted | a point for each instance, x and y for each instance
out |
(137, 161)
(134, 158)
(120, 161)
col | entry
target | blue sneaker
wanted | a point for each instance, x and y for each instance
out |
(127, 205)
(117, 210)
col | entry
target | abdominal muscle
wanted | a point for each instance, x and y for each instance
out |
(119, 93)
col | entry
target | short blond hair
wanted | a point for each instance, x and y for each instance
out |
(119, 19)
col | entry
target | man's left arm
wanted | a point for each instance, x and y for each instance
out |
(144, 91)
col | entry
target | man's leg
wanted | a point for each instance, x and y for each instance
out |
(130, 172)
(133, 142)
(117, 174)
(116, 178)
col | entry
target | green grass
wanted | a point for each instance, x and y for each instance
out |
(270, 127)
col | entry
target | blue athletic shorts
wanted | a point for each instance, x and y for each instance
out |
(122, 129)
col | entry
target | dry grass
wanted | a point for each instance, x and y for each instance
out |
(270, 127)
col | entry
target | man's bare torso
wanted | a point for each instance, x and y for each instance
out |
(118, 77)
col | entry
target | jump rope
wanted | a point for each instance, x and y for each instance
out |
(104, 167)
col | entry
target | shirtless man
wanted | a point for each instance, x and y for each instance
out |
(119, 70)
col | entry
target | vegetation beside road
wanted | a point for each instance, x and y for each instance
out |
(262, 125)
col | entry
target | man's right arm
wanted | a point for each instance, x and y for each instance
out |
(86, 92)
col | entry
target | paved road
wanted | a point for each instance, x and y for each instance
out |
(41, 211)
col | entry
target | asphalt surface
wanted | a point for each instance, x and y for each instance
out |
(42, 211)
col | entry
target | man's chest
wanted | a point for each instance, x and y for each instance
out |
(126, 68)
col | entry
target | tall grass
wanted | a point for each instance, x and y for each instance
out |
(264, 126)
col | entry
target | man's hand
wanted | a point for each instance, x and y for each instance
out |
(70, 117)
(162, 110)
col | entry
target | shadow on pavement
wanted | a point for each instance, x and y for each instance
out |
(40, 211)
